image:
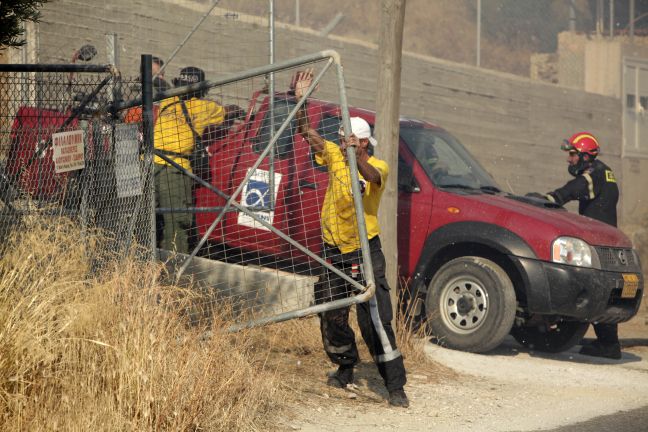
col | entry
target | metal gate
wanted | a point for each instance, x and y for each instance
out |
(256, 259)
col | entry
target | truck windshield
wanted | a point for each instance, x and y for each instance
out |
(445, 160)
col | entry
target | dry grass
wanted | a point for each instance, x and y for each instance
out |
(110, 353)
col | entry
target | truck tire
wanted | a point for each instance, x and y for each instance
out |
(553, 339)
(470, 304)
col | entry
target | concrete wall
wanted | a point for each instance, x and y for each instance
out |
(513, 125)
(603, 65)
(571, 57)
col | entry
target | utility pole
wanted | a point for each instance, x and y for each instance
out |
(390, 45)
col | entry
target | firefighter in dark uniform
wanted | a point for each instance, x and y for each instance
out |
(595, 187)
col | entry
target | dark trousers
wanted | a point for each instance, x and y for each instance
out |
(607, 334)
(374, 316)
(173, 190)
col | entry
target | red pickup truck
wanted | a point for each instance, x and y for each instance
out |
(485, 263)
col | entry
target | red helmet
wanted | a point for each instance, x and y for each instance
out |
(582, 142)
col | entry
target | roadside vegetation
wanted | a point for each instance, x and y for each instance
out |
(117, 352)
(113, 353)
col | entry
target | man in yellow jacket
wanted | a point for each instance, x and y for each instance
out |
(180, 121)
(341, 247)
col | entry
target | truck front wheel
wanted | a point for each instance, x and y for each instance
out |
(470, 304)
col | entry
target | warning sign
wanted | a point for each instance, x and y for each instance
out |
(68, 151)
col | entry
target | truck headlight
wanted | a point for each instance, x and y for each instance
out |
(573, 251)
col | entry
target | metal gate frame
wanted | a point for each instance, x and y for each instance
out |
(332, 59)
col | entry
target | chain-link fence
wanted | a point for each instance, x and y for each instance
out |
(63, 153)
(541, 39)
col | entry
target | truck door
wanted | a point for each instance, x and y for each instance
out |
(415, 199)
(241, 229)
(225, 152)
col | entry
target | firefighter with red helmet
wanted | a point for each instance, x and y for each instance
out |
(595, 188)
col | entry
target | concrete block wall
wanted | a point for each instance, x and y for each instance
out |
(513, 125)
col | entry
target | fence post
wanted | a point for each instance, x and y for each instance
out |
(146, 76)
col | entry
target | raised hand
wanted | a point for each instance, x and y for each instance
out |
(303, 81)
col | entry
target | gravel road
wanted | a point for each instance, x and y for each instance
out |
(510, 389)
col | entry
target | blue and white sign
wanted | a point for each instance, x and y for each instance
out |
(256, 194)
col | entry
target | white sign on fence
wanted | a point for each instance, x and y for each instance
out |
(68, 154)
(127, 161)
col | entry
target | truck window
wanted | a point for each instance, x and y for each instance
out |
(284, 145)
(444, 159)
(328, 128)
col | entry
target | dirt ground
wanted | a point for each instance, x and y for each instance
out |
(510, 389)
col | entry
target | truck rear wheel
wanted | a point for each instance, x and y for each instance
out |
(553, 338)
(470, 304)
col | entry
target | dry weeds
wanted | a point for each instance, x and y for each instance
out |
(111, 353)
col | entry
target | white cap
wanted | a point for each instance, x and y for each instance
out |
(361, 129)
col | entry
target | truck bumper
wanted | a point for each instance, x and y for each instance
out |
(580, 293)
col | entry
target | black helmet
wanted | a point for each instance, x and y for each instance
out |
(189, 75)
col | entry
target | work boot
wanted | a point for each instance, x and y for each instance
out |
(398, 398)
(597, 349)
(341, 377)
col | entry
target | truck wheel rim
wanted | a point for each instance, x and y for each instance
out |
(464, 305)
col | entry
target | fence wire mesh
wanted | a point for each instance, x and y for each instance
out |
(62, 154)
(219, 40)
(247, 229)
(542, 39)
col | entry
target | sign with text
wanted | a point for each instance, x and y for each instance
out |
(68, 152)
